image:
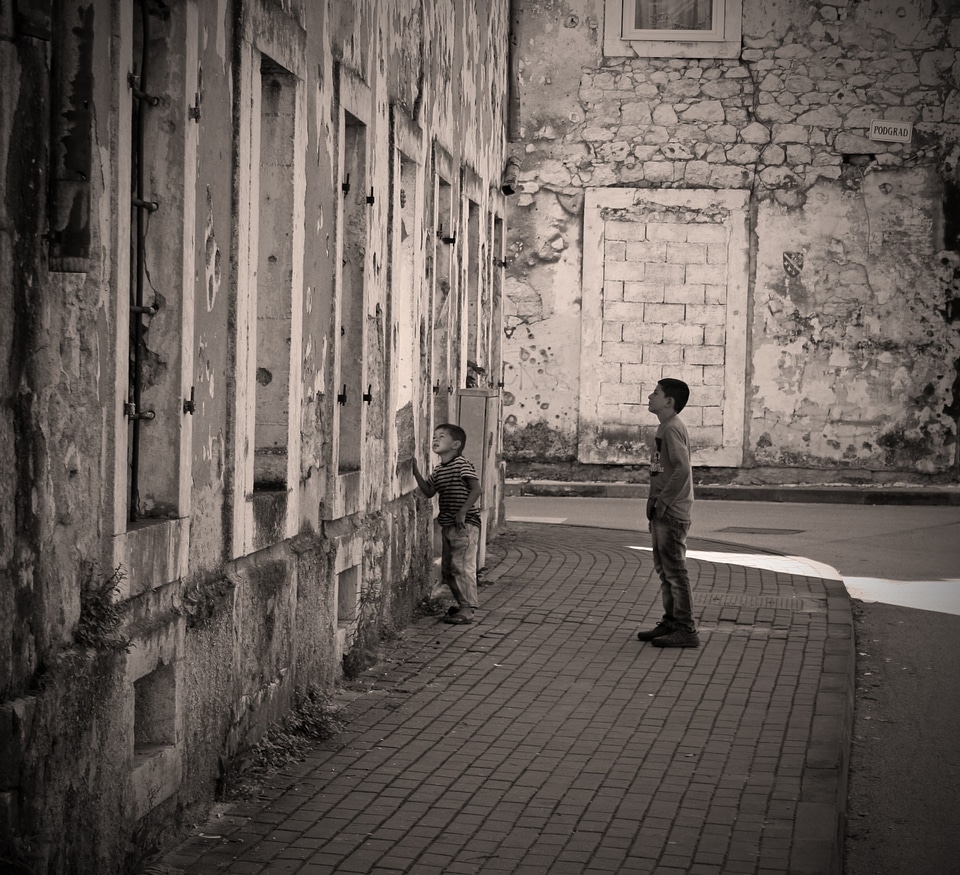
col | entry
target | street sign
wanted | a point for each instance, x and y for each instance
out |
(891, 131)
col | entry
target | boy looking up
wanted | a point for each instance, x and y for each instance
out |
(455, 481)
(668, 510)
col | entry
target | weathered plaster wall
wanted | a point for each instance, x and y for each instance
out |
(121, 708)
(51, 446)
(541, 313)
(544, 237)
(215, 272)
(852, 361)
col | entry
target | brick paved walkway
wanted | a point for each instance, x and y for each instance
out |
(546, 739)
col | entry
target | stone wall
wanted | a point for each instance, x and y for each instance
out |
(212, 396)
(851, 346)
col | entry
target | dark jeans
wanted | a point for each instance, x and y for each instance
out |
(670, 560)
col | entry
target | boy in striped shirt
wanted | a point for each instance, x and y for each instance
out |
(455, 481)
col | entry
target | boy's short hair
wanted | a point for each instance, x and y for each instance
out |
(457, 433)
(677, 390)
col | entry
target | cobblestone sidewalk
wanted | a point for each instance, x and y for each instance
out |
(545, 738)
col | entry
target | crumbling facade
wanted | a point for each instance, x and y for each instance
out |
(764, 203)
(253, 252)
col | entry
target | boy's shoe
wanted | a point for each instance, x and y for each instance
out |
(457, 619)
(656, 632)
(678, 638)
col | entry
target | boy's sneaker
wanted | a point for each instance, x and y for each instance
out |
(678, 638)
(656, 632)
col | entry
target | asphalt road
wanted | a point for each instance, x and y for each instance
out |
(903, 799)
(904, 784)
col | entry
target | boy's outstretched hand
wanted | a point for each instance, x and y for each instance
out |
(424, 486)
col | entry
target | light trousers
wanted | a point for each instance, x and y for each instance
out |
(458, 564)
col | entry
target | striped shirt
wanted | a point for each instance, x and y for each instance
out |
(450, 480)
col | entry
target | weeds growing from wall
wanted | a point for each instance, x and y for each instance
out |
(313, 718)
(205, 598)
(370, 630)
(101, 614)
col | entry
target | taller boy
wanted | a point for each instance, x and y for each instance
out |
(669, 505)
(456, 482)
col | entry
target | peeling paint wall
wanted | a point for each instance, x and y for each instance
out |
(155, 624)
(856, 362)
(852, 349)
(541, 305)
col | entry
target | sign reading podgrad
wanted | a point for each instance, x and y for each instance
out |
(891, 132)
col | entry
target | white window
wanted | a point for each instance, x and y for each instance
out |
(673, 28)
(673, 19)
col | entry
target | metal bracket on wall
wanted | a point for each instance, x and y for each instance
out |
(448, 239)
(152, 310)
(130, 411)
(142, 96)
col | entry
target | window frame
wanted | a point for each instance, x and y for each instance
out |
(283, 45)
(153, 549)
(715, 34)
(724, 41)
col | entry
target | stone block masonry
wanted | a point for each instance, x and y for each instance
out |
(660, 327)
(232, 321)
(847, 335)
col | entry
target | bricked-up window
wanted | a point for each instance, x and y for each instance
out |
(154, 721)
(350, 385)
(665, 277)
(348, 595)
(425, 328)
(161, 191)
(475, 352)
(495, 308)
(274, 275)
(402, 299)
(444, 304)
(673, 28)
